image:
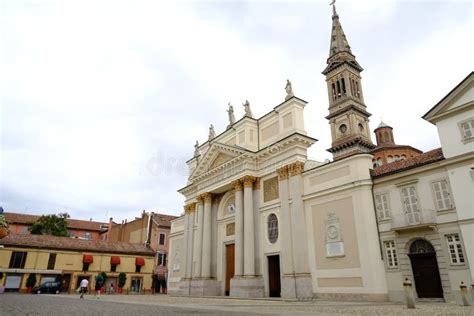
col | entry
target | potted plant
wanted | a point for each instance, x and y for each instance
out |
(122, 278)
(3, 225)
(30, 282)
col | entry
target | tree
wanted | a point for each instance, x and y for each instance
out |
(31, 281)
(51, 224)
(122, 279)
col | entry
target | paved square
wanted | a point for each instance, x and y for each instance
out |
(23, 304)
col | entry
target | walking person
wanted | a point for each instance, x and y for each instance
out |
(84, 285)
(99, 282)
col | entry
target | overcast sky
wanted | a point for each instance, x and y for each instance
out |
(102, 101)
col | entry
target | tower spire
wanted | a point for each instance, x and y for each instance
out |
(347, 111)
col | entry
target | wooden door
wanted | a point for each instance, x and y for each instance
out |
(426, 275)
(66, 281)
(229, 267)
(274, 276)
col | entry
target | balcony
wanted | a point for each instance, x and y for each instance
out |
(413, 220)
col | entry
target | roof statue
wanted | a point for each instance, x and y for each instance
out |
(212, 133)
(196, 149)
(230, 112)
(248, 111)
(289, 90)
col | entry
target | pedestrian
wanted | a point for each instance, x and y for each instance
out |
(99, 282)
(84, 285)
(111, 288)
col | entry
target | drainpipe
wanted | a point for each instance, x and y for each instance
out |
(376, 220)
(148, 230)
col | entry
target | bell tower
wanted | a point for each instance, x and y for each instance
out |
(347, 117)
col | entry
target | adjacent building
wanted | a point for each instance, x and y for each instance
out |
(90, 230)
(150, 229)
(261, 219)
(50, 257)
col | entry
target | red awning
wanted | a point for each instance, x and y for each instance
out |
(115, 260)
(87, 259)
(139, 261)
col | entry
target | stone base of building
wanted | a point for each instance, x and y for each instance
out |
(368, 297)
(204, 287)
(247, 287)
(184, 287)
(297, 286)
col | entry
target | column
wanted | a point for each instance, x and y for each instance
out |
(257, 225)
(206, 236)
(190, 243)
(249, 231)
(288, 286)
(239, 229)
(298, 223)
(184, 261)
(199, 232)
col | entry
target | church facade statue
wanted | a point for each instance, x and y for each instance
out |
(230, 112)
(212, 133)
(248, 111)
(289, 90)
(196, 149)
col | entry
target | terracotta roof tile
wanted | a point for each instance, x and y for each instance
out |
(75, 244)
(28, 219)
(417, 161)
(163, 219)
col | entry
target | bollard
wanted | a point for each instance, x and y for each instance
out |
(407, 286)
(465, 300)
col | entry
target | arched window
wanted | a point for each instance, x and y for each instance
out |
(389, 159)
(333, 91)
(272, 228)
(421, 246)
(338, 89)
(386, 137)
(404, 157)
(397, 157)
(379, 161)
(343, 86)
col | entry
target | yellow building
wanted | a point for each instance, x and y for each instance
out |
(73, 260)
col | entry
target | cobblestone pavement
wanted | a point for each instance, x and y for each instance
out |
(22, 304)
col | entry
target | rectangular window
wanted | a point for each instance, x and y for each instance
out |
(455, 249)
(88, 236)
(85, 267)
(442, 195)
(17, 260)
(391, 252)
(113, 268)
(162, 259)
(410, 203)
(138, 268)
(382, 205)
(467, 129)
(51, 261)
(162, 238)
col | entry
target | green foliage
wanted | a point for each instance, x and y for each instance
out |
(52, 224)
(3, 221)
(31, 281)
(122, 278)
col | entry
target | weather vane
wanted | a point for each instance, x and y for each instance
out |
(333, 3)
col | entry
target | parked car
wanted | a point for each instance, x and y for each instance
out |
(48, 287)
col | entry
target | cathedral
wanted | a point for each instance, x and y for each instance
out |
(263, 220)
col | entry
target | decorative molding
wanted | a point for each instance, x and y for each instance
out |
(282, 173)
(189, 208)
(230, 229)
(200, 199)
(270, 189)
(296, 168)
(257, 184)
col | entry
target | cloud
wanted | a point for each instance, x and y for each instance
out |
(102, 101)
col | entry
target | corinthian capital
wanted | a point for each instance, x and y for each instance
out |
(237, 185)
(282, 173)
(207, 197)
(248, 181)
(296, 168)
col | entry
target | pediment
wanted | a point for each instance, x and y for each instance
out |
(217, 155)
(457, 99)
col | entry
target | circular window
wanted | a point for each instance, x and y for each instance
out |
(343, 128)
(272, 228)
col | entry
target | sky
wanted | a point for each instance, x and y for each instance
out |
(101, 102)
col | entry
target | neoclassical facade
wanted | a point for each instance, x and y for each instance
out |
(263, 220)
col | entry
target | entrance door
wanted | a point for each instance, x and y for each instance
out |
(66, 281)
(229, 266)
(425, 270)
(136, 285)
(274, 276)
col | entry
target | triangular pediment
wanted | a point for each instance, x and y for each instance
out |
(217, 155)
(460, 97)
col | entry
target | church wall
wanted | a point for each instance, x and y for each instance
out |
(343, 246)
(176, 256)
(450, 134)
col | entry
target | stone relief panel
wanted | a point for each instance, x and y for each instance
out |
(177, 257)
(230, 229)
(334, 243)
(219, 160)
(270, 189)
